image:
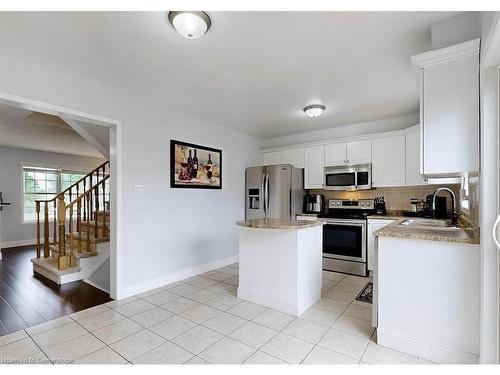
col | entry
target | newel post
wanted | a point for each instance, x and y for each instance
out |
(37, 205)
(61, 218)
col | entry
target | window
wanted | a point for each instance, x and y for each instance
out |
(45, 184)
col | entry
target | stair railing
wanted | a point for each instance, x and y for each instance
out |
(67, 211)
(58, 206)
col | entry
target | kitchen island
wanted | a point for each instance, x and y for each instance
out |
(280, 263)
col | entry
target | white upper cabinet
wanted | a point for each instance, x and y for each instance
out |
(271, 158)
(388, 161)
(359, 152)
(294, 156)
(314, 167)
(342, 153)
(413, 176)
(335, 154)
(449, 109)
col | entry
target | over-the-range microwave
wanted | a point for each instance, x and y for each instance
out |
(352, 177)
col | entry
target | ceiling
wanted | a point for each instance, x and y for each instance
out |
(253, 71)
(38, 131)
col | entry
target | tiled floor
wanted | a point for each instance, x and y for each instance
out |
(200, 320)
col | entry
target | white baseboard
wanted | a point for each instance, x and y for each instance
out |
(177, 276)
(286, 306)
(6, 245)
(423, 349)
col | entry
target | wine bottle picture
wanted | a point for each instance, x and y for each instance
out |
(195, 165)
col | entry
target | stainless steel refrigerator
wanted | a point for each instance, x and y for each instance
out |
(274, 192)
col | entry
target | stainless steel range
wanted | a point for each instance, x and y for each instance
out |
(345, 235)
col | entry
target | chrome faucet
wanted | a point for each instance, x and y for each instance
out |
(454, 214)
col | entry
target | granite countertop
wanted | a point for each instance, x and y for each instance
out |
(277, 224)
(390, 215)
(466, 233)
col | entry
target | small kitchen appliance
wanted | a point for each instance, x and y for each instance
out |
(380, 208)
(313, 203)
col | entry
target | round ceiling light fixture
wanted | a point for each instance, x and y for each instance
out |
(314, 110)
(191, 25)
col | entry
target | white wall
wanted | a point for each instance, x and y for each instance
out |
(162, 231)
(351, 130)
(14, 232)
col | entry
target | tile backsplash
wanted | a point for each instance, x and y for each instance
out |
(396, 198)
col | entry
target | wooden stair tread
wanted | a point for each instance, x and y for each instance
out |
(84, 237)
(51, 265)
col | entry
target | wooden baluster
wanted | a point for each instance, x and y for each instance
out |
(37, 205)
(54, 241)
(72, 259)
(96, 228)
(79, 212)
(84, 203)
(61, 218)
(88, 227)
(46, 252)
(91, 209)
(104, 228)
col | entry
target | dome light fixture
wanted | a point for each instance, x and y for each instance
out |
(191, 25)
(314, 110)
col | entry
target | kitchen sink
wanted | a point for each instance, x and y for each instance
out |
(430, 224)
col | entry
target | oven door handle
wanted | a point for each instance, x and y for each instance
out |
(346, 223)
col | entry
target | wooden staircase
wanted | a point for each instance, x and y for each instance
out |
(78, 218)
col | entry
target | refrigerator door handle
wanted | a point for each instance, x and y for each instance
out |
(267, 191)
(264, 191)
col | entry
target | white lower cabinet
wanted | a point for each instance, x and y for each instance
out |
(374, 225)
(314, 167)
(388, 161)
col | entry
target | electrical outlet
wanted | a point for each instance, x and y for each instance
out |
(137, 188)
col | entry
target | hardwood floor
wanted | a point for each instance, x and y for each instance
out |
(27, 299)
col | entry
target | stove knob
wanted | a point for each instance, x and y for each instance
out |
(362, 204)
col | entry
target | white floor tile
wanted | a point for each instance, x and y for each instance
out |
(329, 275)
(203, 282)
(227, 351)
(253, 334)
(172, 285)
(197, 339)
(305, 330)
(355, 326)
(233, 281)
(137, 344)
(89, 312)
(117, 331)
(104, 356)
(224, 323)
(184, 289)
(73, 349)
(152, 317)
(246, 310)
(200, 313)
(219, 276)
(150, 293)
(223, 302)
(120, 302)
(221, 288)
(273, 319)
(319, 316)
(197, 361)
(344, 343)
(329, 284)
(13, 337)
(172, 327)
(358, 312)
(201, 295)
(261, 358)
(179, 305)
(165, 354)
(376, 354)
(100, 320)
(134, 308)
(48, 325)
(161, 298)
(321, 356)
(59, 334)
(331, 305)
(341, 295)
(287, 348)
(23, 351)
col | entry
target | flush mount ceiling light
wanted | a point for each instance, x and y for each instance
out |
(191, 25)
(314, 110)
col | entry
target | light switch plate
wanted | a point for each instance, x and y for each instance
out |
(137, 188)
